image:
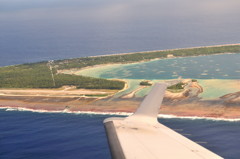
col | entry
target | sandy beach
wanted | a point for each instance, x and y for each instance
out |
(207, 46)
(184, 103)
(212, 109)
(203, 99)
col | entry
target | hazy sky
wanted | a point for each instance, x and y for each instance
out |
(109, 10)
(72, 28)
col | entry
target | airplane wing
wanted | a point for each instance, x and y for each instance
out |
(141, 136)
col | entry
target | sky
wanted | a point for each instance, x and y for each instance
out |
(73, 28)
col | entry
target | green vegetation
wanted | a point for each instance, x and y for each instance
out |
(39, 75)
(145, 83)
(194, 80)
(178, 86)
(136, 57)
(45, 74)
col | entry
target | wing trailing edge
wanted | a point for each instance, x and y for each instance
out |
(140, 136)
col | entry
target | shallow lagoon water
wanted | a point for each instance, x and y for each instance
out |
(33, 31)
(223, 66)
(211, 72)
(214, 88)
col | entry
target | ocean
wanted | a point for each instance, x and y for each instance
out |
(32, 135)
(33, 31)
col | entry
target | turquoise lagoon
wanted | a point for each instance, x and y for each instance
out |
(222, 66)
(206, 69)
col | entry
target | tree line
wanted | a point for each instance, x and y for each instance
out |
(44, 74)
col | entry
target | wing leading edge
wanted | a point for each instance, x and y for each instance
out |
(140, 136)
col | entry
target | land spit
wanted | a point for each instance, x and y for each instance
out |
(225, 107)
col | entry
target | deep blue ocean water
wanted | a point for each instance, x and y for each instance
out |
(32, 31)
(28, 135)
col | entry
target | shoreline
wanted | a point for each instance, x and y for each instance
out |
(57, 101)
(127, 53)
(77, 71)
(207, 46)
(182, 104)
(164, 116)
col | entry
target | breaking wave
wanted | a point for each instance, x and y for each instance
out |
(165, 116)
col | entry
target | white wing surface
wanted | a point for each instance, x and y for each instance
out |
(140, 136)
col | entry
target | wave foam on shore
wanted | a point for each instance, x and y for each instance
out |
(6, 108)
(164, 116)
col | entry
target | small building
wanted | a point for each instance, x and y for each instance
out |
(170, 56)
